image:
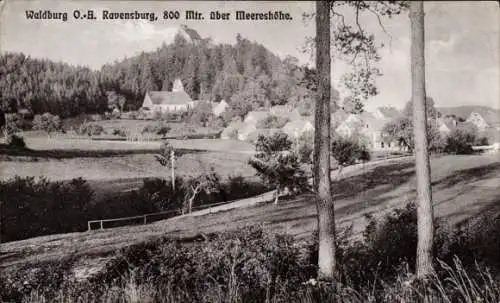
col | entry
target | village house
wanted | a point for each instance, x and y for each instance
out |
(175, 101)
(477, 120)
(351, 125)
(219, 108)
(285, 111)
(255, 116)
(446, 125)
(295, 129)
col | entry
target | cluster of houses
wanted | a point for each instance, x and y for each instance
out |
(367, 126)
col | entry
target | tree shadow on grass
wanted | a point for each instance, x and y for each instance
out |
(467, 176)
(378, 186)
(385, 178)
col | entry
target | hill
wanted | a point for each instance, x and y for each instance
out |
(463, 187)
(208, 71)
(491, 115)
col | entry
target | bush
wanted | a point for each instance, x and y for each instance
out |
(15, 141)
(250, 264)
(90, 129)
(460, 141)
(13, 123)
(305, 147)
(47, 122)
(160, 129)
(119, 132)
(348, 151)
(482, 141)
(38, 207)
(271, 121)
(247, 263)
(233, 134)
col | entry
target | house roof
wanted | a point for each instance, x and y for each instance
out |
(220, 107)
(256, 115)
(374, 123)
(169, 98)
(297, 125)
(285, 112)
(388, 112)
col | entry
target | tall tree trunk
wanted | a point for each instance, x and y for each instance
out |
(424, 193)
(327, 269)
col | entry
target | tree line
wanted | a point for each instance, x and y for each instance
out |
(245, 74)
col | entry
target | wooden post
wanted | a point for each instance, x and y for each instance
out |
(172, 159)
(88, 225)
(101, 225)
(145, 219)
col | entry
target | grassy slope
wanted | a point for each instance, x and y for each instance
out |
(463, 186)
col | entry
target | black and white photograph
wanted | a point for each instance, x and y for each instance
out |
(249, 151)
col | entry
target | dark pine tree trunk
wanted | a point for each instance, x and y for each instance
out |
(327, 269)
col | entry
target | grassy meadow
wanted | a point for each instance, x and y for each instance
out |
(463, 187)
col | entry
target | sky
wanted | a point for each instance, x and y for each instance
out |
(462, 41)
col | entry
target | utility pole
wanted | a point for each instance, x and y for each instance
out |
(172, 163)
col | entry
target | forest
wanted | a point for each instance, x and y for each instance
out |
(245, 74)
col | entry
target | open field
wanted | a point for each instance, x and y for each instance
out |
(463, 186)
(230, 146)
(126, 166)
(176, 128)
(61, 143)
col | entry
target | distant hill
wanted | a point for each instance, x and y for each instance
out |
(490, 115)
(246, 75)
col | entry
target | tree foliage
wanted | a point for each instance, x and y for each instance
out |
(201, 114)
(348, 151)
(276, 164)
(207, 182)
(13, 124)
(245, 74)
(400, 129)
(461, 139)
(47, 122)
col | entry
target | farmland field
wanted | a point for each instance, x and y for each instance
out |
(463, 187)
(176, 128)
(126, 166)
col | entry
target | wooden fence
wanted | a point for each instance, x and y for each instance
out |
(151, 217)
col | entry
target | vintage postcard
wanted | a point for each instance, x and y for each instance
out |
(249, 151)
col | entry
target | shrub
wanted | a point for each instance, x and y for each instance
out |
(233, 134)
(158, 193)
(157, 115)
(13, 123)
(482, 141)
(460, 141)
(348, 151)
(247, 263)
(38, 207)
(271, 121)
(15, 141)
(160, 129)
(305, 147)
(119, 132)
(90, 129)
(47, 122)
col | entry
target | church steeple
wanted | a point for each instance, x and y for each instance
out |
(178, 87)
